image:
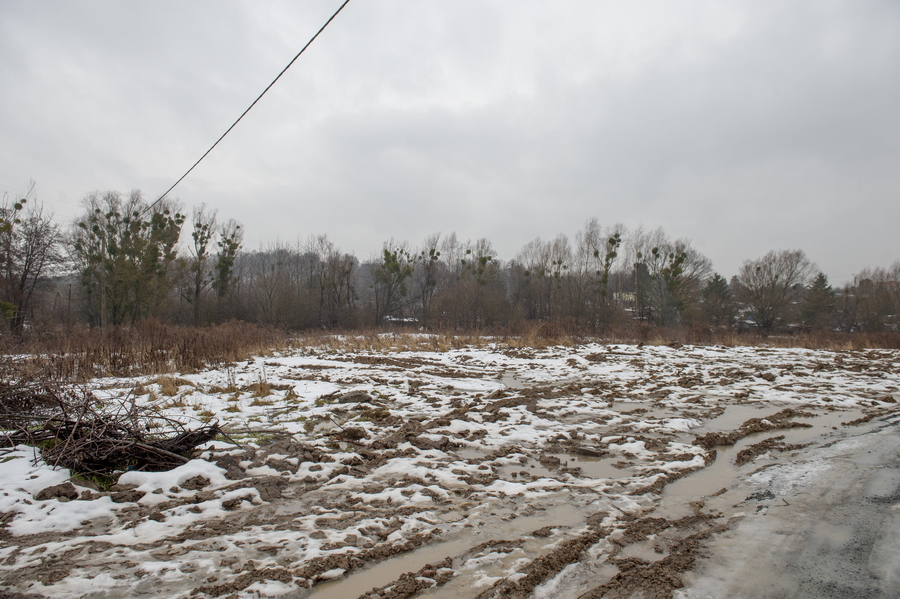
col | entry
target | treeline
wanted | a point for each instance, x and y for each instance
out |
(123, 261)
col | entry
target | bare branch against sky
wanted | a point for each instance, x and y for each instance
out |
(745, 126)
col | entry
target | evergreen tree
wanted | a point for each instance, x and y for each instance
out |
(716, 302)
(819, 304)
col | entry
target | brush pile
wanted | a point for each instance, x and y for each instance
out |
(75, 430)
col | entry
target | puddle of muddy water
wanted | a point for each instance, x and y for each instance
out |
(523, 472)
(737, 414)
(595, 467)
(515, 471)
(381, 574)
(475, 574)
(722, 473)
(591, 467)
(478, 573)
(629, 406)
(470, 455)
(733, 417)
(510, 381)
(455, 542)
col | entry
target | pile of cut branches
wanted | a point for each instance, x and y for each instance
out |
(20, 401)
(75, 430)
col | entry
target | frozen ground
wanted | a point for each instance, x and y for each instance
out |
(582, 472)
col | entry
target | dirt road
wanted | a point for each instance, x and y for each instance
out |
(827, 526)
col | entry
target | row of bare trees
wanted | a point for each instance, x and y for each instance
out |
(31, 252)
(124, 260)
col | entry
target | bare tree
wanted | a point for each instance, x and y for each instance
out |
(479, 293)
(596, 254)
(769, 286)
(389, 279)
(545, 270)
(231, 236)
(204, 228)
(336, 276)
(124, 251)
(29, 241)
(269, 282)
(875, 297)
(668, 276)
(426, 276)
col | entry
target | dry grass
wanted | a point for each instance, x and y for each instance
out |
(169, 385)
(261, 389)
(827, 340)
(383, 342)
(148, 347)
(151, 347)
(539, 335)
(178, 402)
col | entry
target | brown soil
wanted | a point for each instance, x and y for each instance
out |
(409, 584)
(867, 418)
(657, 580)
(544, 567)
(745, 456)
(777, 421)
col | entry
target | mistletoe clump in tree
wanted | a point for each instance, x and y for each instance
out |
(123, 249)
(397, 265)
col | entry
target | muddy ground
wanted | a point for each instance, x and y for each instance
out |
(583, 472)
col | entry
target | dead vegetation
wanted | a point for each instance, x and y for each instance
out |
(542, 335)
(92, 438)
(147, 347)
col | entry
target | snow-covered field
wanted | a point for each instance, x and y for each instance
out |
(587, 471)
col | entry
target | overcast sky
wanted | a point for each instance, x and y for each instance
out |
(744, 126)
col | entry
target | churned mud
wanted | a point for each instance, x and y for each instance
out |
(571, 472)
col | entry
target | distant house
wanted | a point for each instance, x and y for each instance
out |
(408, 322)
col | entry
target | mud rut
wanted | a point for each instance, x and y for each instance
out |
(411, 481)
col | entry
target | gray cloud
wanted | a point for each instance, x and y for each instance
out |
(744, 126)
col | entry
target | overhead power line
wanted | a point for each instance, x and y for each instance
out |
(302, 50)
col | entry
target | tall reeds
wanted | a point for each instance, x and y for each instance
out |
(152, 347)
(147, 347)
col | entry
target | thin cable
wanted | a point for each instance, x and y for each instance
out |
(311, 40)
